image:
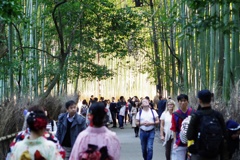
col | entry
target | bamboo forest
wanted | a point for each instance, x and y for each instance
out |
(118, 47)
(56, 51)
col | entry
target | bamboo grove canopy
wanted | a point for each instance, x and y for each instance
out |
(57, 47)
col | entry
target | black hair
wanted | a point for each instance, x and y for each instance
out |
(206, 99)
(85, 102)
(105, 102)
(182, 96)
(133, 103)
(69, 103)
(37, 120)
(121, 97)
(99, 113)
(35, 107)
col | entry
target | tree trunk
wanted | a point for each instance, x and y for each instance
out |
(212, 52)
(226, 77)
(3, 46)
(156, 50)
(235, 67)
(10, 58)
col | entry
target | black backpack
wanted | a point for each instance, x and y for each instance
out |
(210, 135)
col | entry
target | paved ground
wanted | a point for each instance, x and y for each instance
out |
(131, 148)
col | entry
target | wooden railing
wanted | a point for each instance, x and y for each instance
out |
(8, 137)
(5, 143)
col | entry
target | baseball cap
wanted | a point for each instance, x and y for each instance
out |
(204, 95)
(232, 125)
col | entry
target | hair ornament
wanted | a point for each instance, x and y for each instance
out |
(40, 123)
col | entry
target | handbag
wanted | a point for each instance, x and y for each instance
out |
(122, 110)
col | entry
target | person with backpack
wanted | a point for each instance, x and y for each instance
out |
(179, 150)
(146, 119)
(84, 108)
(208, 131)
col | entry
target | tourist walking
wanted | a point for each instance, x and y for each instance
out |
(179, 150)
(113, 110)
(52, 125)
(35, 146)
(146, 119)
(208, 131)
(97, 141)
(26, 133)
(165, 133)
(161, 105)
(84, 108)
(121, 107)
(109, 115)
(70, 124)
(134, 111)
(233, 132)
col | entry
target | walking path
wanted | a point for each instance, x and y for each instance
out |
(131, 147)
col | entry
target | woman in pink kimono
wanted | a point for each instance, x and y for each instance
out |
(96, 141)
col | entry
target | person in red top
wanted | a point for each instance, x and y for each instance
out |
(179, 150)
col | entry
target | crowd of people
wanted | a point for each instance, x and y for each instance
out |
(85, 132)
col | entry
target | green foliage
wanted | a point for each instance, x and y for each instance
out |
(10, 10)
(99, 28)
(202, 20)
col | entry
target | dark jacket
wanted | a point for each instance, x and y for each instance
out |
(113, 107)
(193, 128)
(233, 144)
(78, 125)
(120, 104)
(161, 106)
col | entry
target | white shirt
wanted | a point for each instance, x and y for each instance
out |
(147, 116)
(70, 119)
(167, 118)
(52, 129)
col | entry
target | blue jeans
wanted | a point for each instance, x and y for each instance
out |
(120, 120)
(147, 139)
